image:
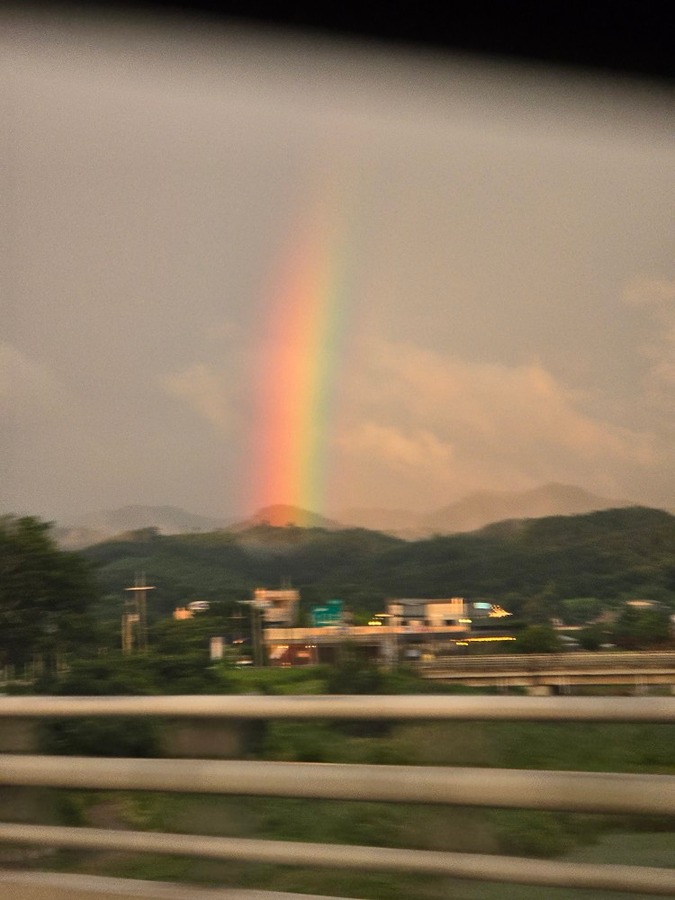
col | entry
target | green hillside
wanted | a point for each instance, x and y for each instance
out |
(611, 555)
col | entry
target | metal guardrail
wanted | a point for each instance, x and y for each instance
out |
(476, 866)
(510, 788)
(398, 707)
(576, 791)
(555, 670)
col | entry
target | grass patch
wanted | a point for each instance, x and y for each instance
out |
(584, 746)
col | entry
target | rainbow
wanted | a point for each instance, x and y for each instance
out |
(295, 375)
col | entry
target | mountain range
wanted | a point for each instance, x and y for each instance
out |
(531, 567)
(482, 508)
(470, 513)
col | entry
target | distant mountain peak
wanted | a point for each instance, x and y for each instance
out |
(281, 515)
(552, 499)
(470, 513)
(485, 507)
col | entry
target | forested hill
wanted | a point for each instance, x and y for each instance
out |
(526, 565)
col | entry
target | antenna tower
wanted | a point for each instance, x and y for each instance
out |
(135, 616)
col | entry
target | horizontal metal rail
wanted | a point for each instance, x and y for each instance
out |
(513, 788)
(644, 880)
(421, 707)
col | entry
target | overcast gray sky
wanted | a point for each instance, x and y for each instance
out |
(506, 279)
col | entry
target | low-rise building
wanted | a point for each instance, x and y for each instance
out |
(279, 608)
(427, 613)
(410, 628)
(451, 613)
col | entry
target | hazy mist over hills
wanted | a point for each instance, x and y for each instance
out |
(468, 514)
(482, 508)
(100, 526)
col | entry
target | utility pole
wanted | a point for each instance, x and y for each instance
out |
(136, 614)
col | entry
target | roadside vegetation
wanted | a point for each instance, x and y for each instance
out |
(518, 832)
(642, 748)
(64, 610)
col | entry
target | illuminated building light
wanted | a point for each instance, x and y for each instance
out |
(497, 612)
(476, 640)
(181, 613)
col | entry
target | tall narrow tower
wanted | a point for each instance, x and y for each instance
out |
(135, 616)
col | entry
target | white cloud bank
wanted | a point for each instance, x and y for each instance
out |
(435, 427)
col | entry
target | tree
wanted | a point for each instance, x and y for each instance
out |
(110, 674)
(592, 637)
(538, 609)
(638, 629)
(581, 610)
(354, 673)
(538, 639)
(45, 595)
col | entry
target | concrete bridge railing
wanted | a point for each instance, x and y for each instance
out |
(549, 790)
(547, 671)
(635, 661)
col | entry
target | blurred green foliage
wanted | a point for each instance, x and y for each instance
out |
(538, 639)
(570, 567)
(46, 596)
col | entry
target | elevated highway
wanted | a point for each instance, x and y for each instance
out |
(549, 672)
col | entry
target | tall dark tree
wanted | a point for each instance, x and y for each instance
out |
(45, 595)
(641, 628)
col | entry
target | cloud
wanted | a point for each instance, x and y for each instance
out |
(403, 452)
(443, 425)
(30, 389)
(206, 391)
(657, 296)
